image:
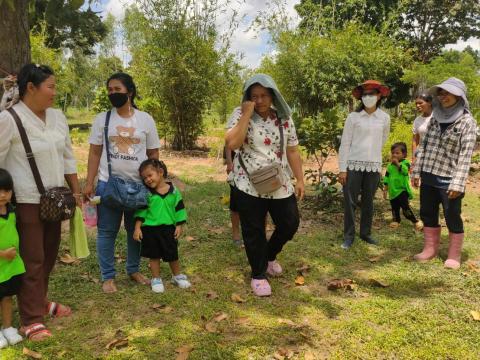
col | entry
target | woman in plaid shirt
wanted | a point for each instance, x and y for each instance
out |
(443, 162)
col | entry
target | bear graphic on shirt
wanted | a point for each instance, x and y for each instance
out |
(124, 142)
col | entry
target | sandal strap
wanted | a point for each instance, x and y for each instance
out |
(52, 308)
(36, 328)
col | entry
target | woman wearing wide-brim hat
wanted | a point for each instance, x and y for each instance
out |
(360, 158)
(442, 166)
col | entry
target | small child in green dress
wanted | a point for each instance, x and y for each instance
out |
(11, 265)
(159, 226)
(397, 186)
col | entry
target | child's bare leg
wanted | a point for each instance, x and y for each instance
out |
(155, 267)
(175, 267)
(6, 304)
(235, 218)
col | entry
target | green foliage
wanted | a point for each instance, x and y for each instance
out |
(101, 102)
(400, 131)
(319, 72)
(42, 54)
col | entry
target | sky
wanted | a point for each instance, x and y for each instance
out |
(252, 45)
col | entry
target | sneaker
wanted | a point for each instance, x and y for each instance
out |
(274, 268)
(369, 240)
(157, 285)
(3, 341)
(238, 242)
(12, 335)
(347, 244)
(261, 287)
(394, 225)
(181, 281)
(419, 225)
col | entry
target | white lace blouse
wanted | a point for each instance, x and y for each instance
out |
(362, 141)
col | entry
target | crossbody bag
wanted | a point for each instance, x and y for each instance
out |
(57, 203)
(269, 178)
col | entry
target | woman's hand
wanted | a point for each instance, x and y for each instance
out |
(8, 254)
(342, 178)
(453, 194)
(416, 182)
(88, 192)
(78, 199)
(248, 107)
(300, 190)
(178, 231)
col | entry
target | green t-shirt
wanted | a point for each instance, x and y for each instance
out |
(398, 180)
(8, 239)
(167, 209)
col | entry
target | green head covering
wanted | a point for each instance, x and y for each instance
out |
(283, 110)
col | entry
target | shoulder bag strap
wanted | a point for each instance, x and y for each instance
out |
(105, 130)
(28, 150)
(282, 143)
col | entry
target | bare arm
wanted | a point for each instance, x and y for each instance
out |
(415, 142)
(153, 153)
(295, 162)
(236, 135)
(72, 181)
(94, 155)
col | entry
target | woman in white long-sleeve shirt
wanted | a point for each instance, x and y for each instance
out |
(360, 158)
(47, 132)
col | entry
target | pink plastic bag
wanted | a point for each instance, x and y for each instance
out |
(90, 214)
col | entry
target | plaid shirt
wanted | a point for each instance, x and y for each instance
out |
(448, 154)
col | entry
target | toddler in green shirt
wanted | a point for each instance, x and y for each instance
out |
(397, 186)
(159, 226)
(11, 265)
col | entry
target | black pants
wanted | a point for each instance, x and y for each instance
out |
(401, 202)
(252, 210)
(430, 200)
(365, 183)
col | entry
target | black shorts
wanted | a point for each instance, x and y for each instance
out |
(159, 242)
(11, 286)
(233, 200)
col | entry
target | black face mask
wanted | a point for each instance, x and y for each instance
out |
(118, 99)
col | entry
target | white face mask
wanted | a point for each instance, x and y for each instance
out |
(369, 101)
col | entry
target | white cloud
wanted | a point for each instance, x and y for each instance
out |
(117, 7)
(460, 45)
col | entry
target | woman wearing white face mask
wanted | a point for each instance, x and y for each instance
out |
(360, 158)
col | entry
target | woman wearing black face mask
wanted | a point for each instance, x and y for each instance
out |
(132, 138)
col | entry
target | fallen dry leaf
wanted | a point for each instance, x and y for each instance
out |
(303, 269)
(67, 259)
(283, 353)
(220, 317)
(162, 308)
(475, 315)
(183, 352)
(117, 344)
(347, 284)
(287, 322)
(374, 259)
(189, 238)
(378, 283)
(299, 280)
(212, 295)
(473, 266)
(217, 231)
(309, 355)
(243, 320)
(211, 327)
(31, 353)
(237, 298)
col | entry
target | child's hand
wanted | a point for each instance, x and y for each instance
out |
(137, 234)
(178, 231)
(394, 160)
(9, 254)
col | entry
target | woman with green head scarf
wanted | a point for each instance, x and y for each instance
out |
(263, 132)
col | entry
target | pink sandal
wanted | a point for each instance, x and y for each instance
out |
(261, 287)
(58, 310)
(36, 332)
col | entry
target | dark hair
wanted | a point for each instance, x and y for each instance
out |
(249, 91)
(127, 81)
(34, 73)
(6, 181)
(401, 145)
(156, 164)
(425, 97)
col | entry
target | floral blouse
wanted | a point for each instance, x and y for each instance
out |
(262, 148)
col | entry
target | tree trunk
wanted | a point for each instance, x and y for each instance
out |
(14, 37)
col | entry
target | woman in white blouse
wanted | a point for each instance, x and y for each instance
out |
(48, 134)
(360, 158)
(256, 129)
(423, 103)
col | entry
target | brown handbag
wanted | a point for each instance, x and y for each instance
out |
(57, 203)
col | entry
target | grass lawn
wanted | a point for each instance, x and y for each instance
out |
(423, 312)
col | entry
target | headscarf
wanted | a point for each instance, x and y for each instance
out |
(448, 115)
(283, 110)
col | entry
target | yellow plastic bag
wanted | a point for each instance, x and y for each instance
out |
(78, 236)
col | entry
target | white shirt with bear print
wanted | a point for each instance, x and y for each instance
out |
(129, 139)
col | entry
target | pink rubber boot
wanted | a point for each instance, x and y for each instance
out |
(454, 251)
(431, 244)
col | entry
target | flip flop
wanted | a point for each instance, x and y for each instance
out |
(58, 310)
(139, 278)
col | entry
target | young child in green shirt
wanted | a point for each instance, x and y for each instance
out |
(11, 265)
(159, 226)
(397, 186)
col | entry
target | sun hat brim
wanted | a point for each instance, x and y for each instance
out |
(370, 85)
